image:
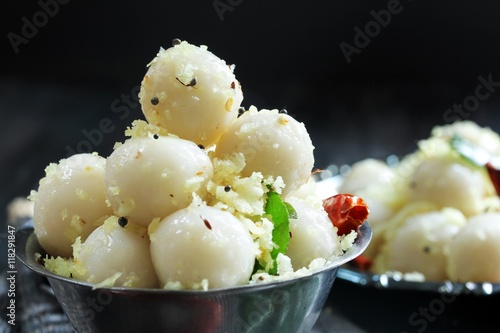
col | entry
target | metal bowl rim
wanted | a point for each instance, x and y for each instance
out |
(26, 232)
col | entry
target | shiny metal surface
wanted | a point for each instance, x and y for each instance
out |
(396, 281)
(288, 306)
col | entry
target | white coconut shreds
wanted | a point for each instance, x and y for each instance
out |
(176, 285)
(142, 129)
(237, 194)
(286, 272)
(58, 265)
(347, 240)
(244, 197)
(33, 195)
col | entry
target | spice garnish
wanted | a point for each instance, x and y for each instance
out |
(207, 223)
(122, 221)
(191, 83)
(241, 110)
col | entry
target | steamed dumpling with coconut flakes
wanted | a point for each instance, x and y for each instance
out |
(482, 137)
(116, 254)
(366, 173)
(422, 244)
(70, 202)
(272, 143)
(149, 177)
(312, 235)
(475, 251)
(369, 179)
(190, 92)
(202, 245)
(449, 183)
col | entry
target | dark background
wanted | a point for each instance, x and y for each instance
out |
(84, 61)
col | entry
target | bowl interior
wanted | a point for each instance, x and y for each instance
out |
(287, 306)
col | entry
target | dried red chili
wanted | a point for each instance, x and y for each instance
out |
(346, 211)
(494, 174)
(362, 263)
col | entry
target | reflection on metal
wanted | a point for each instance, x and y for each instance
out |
(395, 282)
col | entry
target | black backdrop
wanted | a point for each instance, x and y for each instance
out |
(76, 61)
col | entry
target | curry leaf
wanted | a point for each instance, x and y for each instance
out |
(292, 214)
(470, 152)
(279, 214)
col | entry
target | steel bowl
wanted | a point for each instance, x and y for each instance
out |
(287, 306)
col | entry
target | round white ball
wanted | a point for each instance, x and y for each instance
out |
(475, 251)
(70, 202)
(190, 92)
(273, 143)
(148, 178)
(449, 184)
(368, 179)
(202, 243)
(112, 249)
(312, 235)
(421, 244)
(380, 213)
(365, 173)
